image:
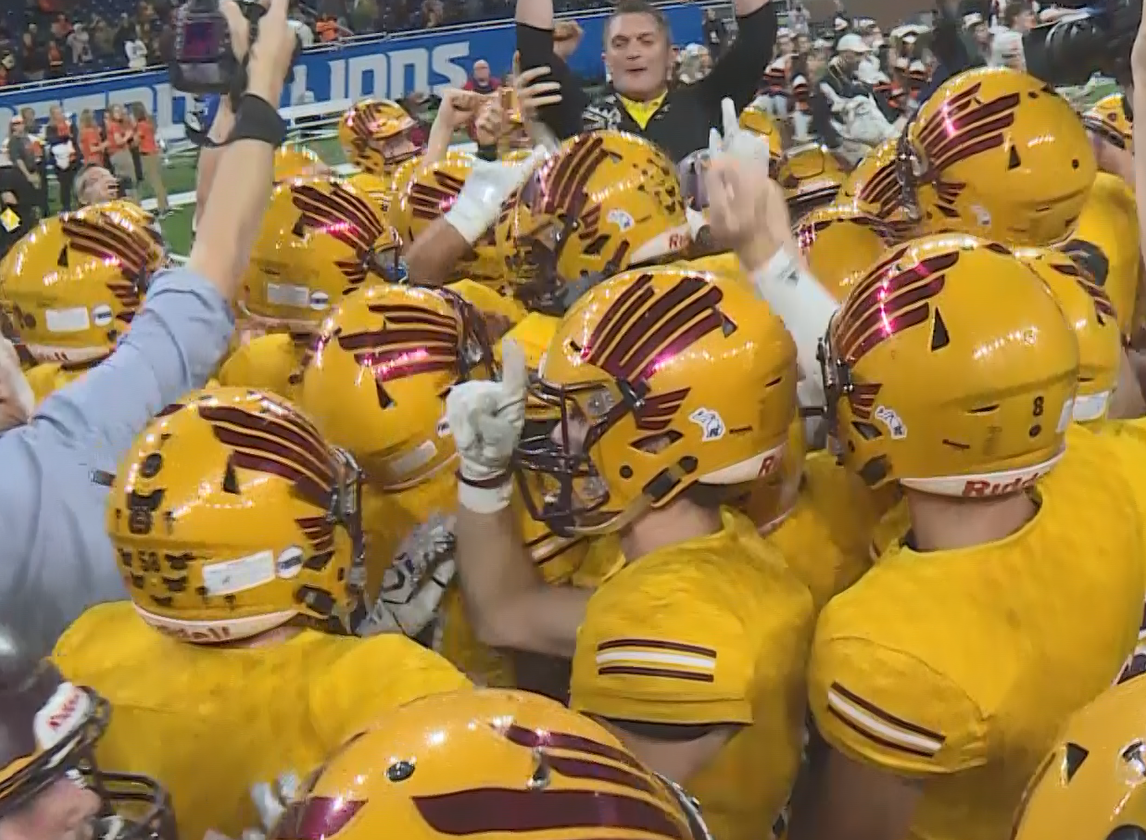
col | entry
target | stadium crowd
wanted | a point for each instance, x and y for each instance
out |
(754, 447)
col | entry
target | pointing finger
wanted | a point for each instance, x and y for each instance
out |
(728, 112)
(513, 372)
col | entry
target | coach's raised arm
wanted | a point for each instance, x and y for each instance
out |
(638, 55)
(55, 557)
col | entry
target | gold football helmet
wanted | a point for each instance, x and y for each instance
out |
(487, 762)
(811, 177)
(1110, 120)
(293, 161)
(1106, 244)
(49, 731)
(231, 516)
(427, 194)
(321, 237)
(377, 380)
(951, 370)
(604, 201)
(1093, 783)
(665, 378)
(73, 283)
(378, 189)
(375, 135)
(1091, 314)
(840, 244)
(873, 187)
(976, 156)
(761, 123)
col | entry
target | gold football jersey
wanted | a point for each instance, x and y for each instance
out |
(398, 523)
(825, 538)
(48, 377)
(268, 363)
(957, 668)
(210, 722)
(710, 631)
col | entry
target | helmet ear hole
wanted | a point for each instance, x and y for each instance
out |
(939, 336)
(1073, 760)
(1014, 161)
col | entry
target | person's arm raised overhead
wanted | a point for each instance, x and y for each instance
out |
(55, 558)
(535, 48)
(737, 73)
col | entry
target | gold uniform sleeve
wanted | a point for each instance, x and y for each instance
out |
(889, 709)
(663, 648)
(375, 675)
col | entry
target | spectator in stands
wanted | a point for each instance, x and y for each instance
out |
(62, 152)
(119, 133)
(61, 28)
(79, 42)
(5, 78)
(25, 159)
(715, 33)
(103, 39)
(432, 13)
(327, 28)
(136, 50)
(92, 146)
(55, 54)
(149, 156)
(124, 32)
(16, 195)
(33, 57)
(302, 24)
(481, 80)
(363, 16)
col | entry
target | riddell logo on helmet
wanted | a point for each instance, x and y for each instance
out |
(195, 635)
(981, 489)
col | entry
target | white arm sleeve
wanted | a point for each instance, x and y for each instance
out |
(804, 306)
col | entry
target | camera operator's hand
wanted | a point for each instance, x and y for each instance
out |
(239, 27)
(272, 53)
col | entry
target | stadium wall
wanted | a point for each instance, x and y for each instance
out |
(381, 66)
(888, 13)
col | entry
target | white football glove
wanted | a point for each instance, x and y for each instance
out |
(271, 799)
(740, 144)
(488, 186)
(413, 585)
(486, 419)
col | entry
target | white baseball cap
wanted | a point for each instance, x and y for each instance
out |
(852, 43)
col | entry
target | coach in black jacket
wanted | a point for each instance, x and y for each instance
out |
(638, 55)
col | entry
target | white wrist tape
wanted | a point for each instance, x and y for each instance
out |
(470, 217)
(803, 305)
(485, 499)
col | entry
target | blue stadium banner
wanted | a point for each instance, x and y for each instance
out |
(387, 67)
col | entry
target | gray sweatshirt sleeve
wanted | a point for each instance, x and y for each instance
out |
(55, 557)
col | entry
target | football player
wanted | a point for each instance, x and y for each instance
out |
(1093, 783)
(376, 385)
(234, 671)
(376, 136)
(979, 154)
(321, 238)
(873, 188)
(1112, 135)
(936, 699)
(676, 391)
(488, 762)
(73, 286)
(294, 161)
(1105, 245)
(51, 787)
(811, 177)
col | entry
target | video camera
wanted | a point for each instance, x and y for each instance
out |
(1094, 39)
(204, 61)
